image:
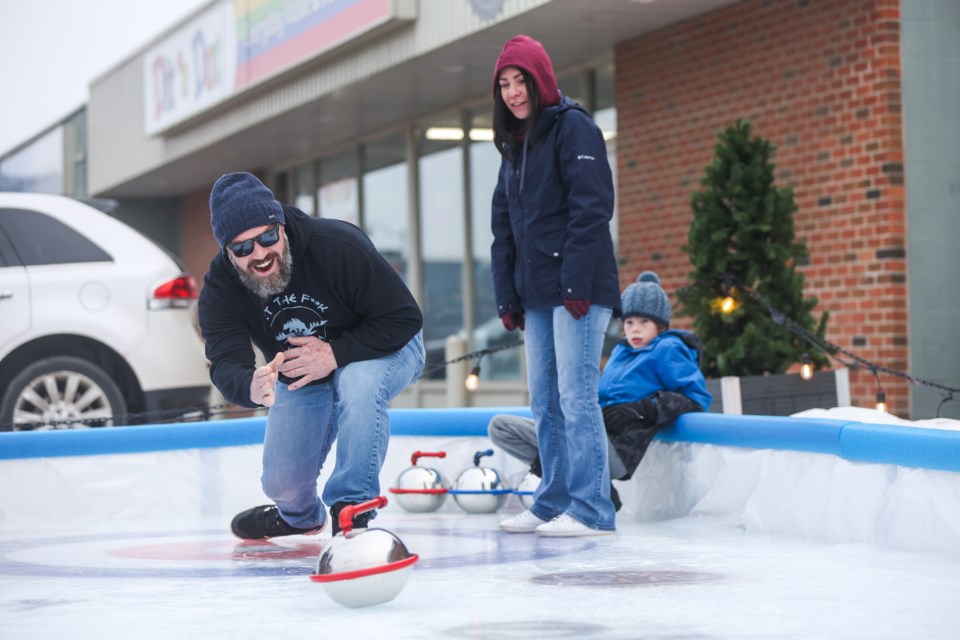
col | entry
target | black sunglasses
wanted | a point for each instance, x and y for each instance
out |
(266, 239)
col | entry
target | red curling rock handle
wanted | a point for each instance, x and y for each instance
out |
(426, 454)
(348, 512)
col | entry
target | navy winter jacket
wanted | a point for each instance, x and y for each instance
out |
(551, 217)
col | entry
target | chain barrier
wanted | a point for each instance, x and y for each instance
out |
(831, 349)
(206, 411)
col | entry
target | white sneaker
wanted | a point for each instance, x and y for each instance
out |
(564, 526)
(525, 522)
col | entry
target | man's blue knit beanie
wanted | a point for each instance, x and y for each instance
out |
(239, 202)
(647, 299)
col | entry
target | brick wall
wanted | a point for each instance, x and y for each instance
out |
(199, 245)
(821, 80)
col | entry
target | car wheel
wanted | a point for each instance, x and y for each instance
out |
(61, 393)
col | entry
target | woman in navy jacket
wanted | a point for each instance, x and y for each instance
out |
(555, 277)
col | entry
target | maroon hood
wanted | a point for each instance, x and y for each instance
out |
(528, 55)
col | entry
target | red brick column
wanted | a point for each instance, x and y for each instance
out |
(198, 243)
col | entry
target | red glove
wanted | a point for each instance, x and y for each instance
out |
(512, 321)
(577, 308)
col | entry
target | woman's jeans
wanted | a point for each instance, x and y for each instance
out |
(563, 373)
(351, 409)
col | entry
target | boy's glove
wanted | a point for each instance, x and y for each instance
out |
(512, 320)
(619, 418)
(536, 468)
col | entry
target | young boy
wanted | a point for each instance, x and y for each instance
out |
(652, 376)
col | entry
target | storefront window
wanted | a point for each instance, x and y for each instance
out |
(36, 168)
(571, 85)
(337, 195)
(442, 234)
(75, 155)
(605, 115)
(488, 330)
(385, 199)
(303, 189)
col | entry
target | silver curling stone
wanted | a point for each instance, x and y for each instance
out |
(363, 567)
(480, 489)
(421, 489)
(526, 488)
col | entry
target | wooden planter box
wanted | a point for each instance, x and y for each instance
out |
(780, 395)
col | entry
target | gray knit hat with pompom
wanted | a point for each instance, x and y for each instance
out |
(647, 299)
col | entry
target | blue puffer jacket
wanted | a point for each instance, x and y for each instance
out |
(668, 363)
(551, 217)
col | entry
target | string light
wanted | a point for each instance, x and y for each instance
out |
(473, 355)
(728, 304)
(828, 348)
(806, 366)
(881, 401)
(881, 396)
(473, 380)
(831, 349)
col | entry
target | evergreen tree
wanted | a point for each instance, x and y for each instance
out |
(742, 234)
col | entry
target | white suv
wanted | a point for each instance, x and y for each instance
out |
(96, 321)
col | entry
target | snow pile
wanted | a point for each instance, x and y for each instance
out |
(872, 416)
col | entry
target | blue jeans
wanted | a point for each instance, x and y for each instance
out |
(563, 374)
(351, 409)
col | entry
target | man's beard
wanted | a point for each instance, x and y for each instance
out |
(273, 284)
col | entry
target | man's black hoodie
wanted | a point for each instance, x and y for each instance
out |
(343, 291)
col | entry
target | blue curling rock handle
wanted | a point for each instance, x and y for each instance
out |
(480, 454)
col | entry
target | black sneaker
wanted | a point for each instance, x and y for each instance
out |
(265, 522)
(536, 468)
(360, 520)
(615, 497)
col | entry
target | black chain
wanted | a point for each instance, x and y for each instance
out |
(475, 355)
(831, 349)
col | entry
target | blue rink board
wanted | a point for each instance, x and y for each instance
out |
(862, 442)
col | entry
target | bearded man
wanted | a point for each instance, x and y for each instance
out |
(340, 333)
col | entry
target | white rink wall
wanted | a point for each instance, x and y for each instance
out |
(824, 478)
(189, 483)
(817, 496)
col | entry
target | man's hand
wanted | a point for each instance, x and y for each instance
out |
(264, 379)
(310, 359)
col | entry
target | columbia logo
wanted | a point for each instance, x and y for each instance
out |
(583, 156)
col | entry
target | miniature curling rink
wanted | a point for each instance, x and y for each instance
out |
(733, 527)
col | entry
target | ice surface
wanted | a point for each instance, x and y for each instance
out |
(685, 578)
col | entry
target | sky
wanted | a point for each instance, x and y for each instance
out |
(50, 50)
